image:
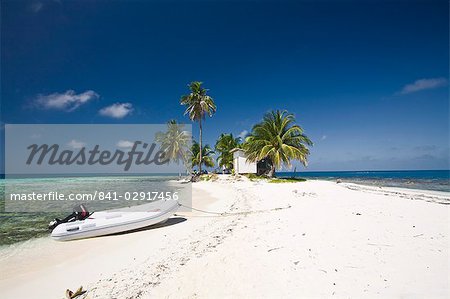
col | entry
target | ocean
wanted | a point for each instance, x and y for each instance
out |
(20, 226)
(436, 180)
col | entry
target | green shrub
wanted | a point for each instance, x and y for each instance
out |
(286, 180)
(209, 177)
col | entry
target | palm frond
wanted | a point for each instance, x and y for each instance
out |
(278, 139)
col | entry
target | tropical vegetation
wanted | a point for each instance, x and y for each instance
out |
(224, 145)
(175, 142)
(274, 142)
(203, 157)
(278, 140)
(198, 104)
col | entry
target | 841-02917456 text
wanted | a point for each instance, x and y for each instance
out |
(97, 195)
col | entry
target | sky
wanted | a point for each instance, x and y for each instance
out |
(366, 80)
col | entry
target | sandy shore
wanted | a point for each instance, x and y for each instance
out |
(310, 239)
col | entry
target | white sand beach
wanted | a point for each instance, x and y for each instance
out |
(307, 239)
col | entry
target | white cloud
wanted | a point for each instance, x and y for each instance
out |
(243, 134)
(68, 101)
(75, 144)
(425, 148)
(323, 137)
(125, 144)
(117, 110)
(423, 84)
(36, 6)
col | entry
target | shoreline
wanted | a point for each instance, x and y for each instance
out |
(381, 185)
(440, 197)
(304, 231)
(433, 180)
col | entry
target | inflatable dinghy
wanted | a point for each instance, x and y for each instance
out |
(110, 222)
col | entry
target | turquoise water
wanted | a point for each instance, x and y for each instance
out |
(436, 180)
(21, 226)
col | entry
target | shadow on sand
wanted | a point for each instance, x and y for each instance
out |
(169, 222)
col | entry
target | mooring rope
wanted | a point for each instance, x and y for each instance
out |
(234, 213)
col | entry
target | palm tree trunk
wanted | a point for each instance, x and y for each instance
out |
(271, 173)
(201, 148)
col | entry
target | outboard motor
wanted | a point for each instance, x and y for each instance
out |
(79, 213)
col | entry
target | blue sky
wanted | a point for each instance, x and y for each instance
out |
(367, 80)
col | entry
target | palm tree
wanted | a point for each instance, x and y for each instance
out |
(224, 145)
(175, 142)
(279, 140)
(204, 155)
(198, 104)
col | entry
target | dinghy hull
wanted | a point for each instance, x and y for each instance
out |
(113, 222)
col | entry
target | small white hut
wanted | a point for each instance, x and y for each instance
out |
(240, 163)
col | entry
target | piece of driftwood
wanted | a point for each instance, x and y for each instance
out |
(76, 294)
